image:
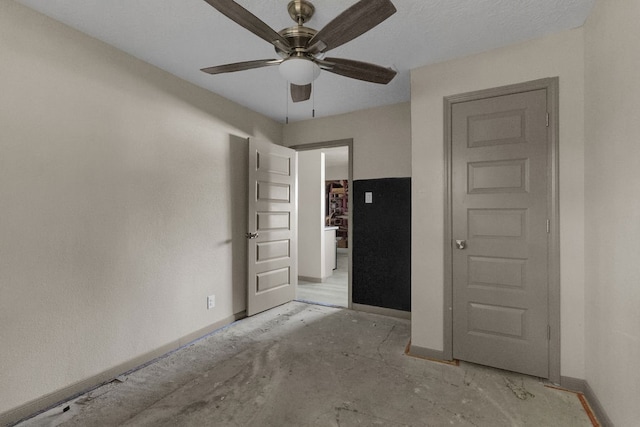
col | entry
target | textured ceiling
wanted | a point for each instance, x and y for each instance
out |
(183, 36)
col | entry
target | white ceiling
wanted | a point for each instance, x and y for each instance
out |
(184, 36)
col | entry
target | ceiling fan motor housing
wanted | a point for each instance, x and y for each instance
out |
(298, 37)
(298, 67)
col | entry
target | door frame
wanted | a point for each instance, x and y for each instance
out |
(348, 142)
(551, 85)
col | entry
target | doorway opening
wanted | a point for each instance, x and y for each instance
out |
(324, 223)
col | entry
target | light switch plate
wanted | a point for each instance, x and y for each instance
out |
(368, 197)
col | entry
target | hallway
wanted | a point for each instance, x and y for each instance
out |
(334, 291)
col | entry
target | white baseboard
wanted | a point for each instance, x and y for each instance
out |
(311, 279)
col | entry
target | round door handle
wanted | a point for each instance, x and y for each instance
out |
(461, 244)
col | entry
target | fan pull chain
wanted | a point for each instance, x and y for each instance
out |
(286, 99)
(313, 100)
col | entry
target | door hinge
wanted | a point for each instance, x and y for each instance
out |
(548, 226)
(547, 119)
(548, 332)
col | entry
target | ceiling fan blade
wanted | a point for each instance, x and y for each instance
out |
(246, 19)
(300, 93)
(358, 70)
(353, 22)
(241, 66)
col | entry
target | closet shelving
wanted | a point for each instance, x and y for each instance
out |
(337, 209)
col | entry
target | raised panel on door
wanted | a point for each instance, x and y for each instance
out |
(272, 245)
(500, 208)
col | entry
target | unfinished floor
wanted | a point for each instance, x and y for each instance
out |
(310, 365)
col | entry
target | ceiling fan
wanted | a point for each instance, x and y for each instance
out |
(302, 49)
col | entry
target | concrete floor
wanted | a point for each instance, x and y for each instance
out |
(310, 365)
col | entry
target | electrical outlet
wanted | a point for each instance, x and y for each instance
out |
(211, 302)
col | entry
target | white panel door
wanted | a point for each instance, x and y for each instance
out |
(272, 228)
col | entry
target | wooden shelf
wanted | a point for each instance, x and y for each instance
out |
(337, 209)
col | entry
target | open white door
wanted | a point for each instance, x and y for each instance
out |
(272, 233)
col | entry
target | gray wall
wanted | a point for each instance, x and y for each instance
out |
(121, 208)
(381, 139)
(559, 55)
(612, 208)
(123, 194)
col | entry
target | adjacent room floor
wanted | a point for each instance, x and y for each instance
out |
(334, 290)
(309, 365)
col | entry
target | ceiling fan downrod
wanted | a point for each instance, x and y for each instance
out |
(300, 11)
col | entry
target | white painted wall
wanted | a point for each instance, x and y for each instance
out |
(337, 173)
(123, 205)
(122, 192)
(311, 245)
(612, 220)
(381, 139)
(329, 252)
(558, 55)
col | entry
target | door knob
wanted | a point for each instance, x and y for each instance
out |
(252, 235)
(461, 244)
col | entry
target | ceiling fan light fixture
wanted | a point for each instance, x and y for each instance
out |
(299, 71)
